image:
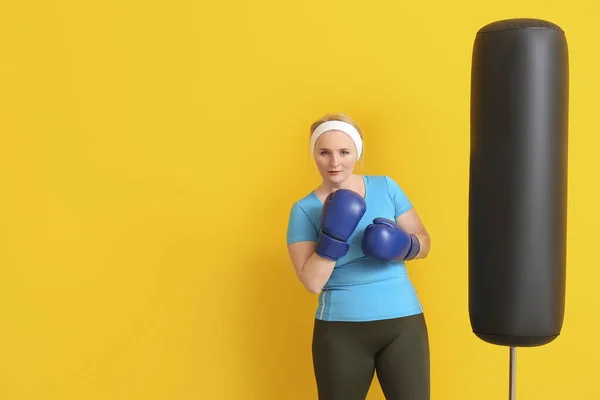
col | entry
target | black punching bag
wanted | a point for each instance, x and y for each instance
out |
(518, 182)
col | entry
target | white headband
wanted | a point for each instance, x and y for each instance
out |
(336, 126)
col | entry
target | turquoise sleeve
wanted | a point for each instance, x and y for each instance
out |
(300, 227)
(401, 202)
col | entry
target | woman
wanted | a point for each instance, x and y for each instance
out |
(348, 241)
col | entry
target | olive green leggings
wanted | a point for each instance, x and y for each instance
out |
(346, 356)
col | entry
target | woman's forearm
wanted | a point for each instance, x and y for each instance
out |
(316, 272)
(425, 244)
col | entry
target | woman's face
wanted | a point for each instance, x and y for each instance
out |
(335, 155)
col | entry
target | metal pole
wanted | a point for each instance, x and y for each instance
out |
(513, 373)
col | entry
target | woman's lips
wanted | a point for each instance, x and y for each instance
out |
(334, 172)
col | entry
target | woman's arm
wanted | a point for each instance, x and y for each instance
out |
(312, 270)
(411, 223)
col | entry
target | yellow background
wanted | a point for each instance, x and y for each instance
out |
(149, 156)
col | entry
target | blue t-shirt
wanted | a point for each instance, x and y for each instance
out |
(360, 288)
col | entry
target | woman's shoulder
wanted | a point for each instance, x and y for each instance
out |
(384, 180)
(305, 212)
(307, 202)
(383, 184)
(375, 177)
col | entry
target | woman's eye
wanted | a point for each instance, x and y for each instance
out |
(344, 152)
(324, 153)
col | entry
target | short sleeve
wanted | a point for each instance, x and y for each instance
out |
(300, 227)
(401, 201)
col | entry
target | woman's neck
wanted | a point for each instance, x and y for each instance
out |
(354, 182)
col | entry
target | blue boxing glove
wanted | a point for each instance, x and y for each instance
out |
(384, 240)
(342, 211)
